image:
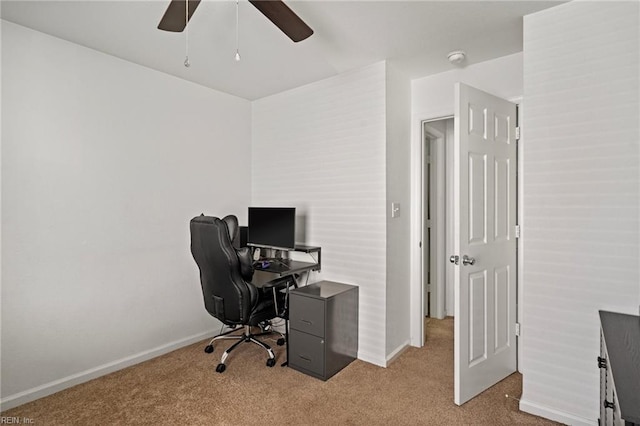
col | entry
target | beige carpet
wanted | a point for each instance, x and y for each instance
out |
(183, 388)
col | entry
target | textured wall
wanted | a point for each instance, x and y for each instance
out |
(103, 164)
(398, 131)
(581, 197)
(321, 148)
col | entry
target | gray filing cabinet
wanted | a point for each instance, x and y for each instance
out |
(323, 328)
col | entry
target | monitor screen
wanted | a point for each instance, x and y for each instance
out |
(273, 227)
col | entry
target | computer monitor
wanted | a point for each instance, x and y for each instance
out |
(272, 227)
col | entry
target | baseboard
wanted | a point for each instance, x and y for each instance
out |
(371, 359)
(38, 392)
(383, 362)
(397, 352)
(555, 415)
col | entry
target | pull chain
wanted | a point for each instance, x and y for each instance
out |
(186, 33)
(237, 31)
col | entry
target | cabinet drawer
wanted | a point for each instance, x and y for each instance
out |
(306, 314)
(306, 353)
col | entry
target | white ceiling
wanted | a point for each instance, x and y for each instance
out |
(415, 35)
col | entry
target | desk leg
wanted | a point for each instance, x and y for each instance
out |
(286, 337)
(286, 321)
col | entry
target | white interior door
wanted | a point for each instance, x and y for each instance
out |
(484, 228)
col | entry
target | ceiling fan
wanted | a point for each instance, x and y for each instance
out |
(175, 18)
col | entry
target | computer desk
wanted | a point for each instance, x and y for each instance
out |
(263, 276)
(270, 276)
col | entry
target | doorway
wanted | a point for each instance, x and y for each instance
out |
(479, 177)
(437, 137)
(485, 331)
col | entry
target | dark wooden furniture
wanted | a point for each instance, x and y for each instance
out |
(619, 363)
(323, 331)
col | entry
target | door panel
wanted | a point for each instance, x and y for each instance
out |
(502, 338)
(502, 200)
(485, 287)
(477, 315)
(477, 198)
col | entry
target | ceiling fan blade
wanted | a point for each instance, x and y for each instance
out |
(174, 18)
(284, 18)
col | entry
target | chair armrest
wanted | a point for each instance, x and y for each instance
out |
(246, 263)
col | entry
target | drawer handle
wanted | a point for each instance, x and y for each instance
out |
(306, 321)
(608, 404)
(305, 358)
(602, 362)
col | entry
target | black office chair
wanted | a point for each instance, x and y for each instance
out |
(225, 277)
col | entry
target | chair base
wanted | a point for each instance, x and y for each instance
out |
(247, 337)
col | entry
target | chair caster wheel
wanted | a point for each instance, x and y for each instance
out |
(271, 362)
(280, 341)
(264, 326)
(220, 368)
(208, 349)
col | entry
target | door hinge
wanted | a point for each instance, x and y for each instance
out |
(602, 362)
(518, 329)
(517, 231)
(518, 133)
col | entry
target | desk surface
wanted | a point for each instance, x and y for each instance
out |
(289, 268)
(307, 249)
(263, 276)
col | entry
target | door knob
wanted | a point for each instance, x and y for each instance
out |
(466, 260)
(454, 259)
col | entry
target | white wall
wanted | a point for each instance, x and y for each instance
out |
(581, 197)
(103, 164)
(398, 119)
(1, 97)
(321, 148)
(433, 97)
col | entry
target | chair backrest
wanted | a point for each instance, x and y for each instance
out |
(234, 229)
(227, 295)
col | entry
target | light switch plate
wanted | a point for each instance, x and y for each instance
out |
(395, 209)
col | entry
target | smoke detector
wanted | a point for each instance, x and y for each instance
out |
(456, 57)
